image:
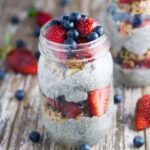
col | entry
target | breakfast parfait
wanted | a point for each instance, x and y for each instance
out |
(75, 73)
(129, 27)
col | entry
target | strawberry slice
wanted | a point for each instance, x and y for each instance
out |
(142, 113)
(22, 61)
(69, 109)
(42, 18)
(97, 101)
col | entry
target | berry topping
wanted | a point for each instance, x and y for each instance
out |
(73, 34)
(20, 43)
(142, 113)
(68, 109)
(42, 18)
(34, 136)
(56, 33)
(67, 23)
(92, 36)
(99, 30)
(81, 40)
(85, 147)
(70, 42)
(22, 61)
(75, 16)
(36, 31)
(85, 26)
(137, 21)
(83, 17)
(14, 19)
(2, 74)
(117, 98)
(138, 141)
(20, 94)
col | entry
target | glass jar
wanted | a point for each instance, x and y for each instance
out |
(129, 32)
(75, 87)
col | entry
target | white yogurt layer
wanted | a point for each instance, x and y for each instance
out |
(132, 77)
(138, 41)
(54, 82)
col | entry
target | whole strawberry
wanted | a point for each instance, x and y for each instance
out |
(56, 33)
(142, 113)
(22, 61)
(85, 26)
(42, 17)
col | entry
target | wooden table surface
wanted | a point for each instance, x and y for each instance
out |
(18, 119)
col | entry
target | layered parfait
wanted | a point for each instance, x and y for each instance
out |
(129, 23)
(75, 72)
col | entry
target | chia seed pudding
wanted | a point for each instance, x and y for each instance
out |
(75, 74)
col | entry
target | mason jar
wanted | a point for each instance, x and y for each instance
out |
(75, 87)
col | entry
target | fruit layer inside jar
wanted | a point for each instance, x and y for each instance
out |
(95, 105)
(130, 60)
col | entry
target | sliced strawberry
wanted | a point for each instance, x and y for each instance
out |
(142, 113)
(56, 33)
(98, 101)
(85, 26)
(69, 109)
(22, 61)
(42, 18)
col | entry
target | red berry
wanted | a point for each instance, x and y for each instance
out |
(22, 61)
(127, 1)
(56, 33)
(81, 40)
(42, 18)
(85, 26)
(146, 63)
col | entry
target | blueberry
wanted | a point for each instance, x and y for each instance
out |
(2, 74)
(85, 147)
(65, 18)
(117, 98)
(75, 16)
(137, 21)
(63, 3)
(37, 54)
(72, 44)
(36, 32)
(61, 98)
(20, 94)
(14, 19)
(99, 30)
(73, 34)
(20, 43)
(92, 36)
(138, 141)
(34, 136)
(54, 22)
(83, 17)
(66, 22)
(111, 10)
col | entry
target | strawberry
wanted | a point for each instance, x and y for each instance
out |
(42, 18)
(85, 26)
(56, 33)
(69, 109)
(22, 61)
(97, 101)
(142, 113)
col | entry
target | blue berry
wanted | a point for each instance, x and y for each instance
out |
(20, 43)
(53, 22)
(37, 54)
(99, 30)
(117, 98)
(14, 19)
(34, 136)
(20, 94)
(137, 21)
(138, 141)
(85, 147)
(83, 17)
(92, 36)
(112, 9)
(61, 98)
(73, 34)
(63, 3)
(75, 16)
(2, 74)
(36, 32)
(67, 23)
(72, 44)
